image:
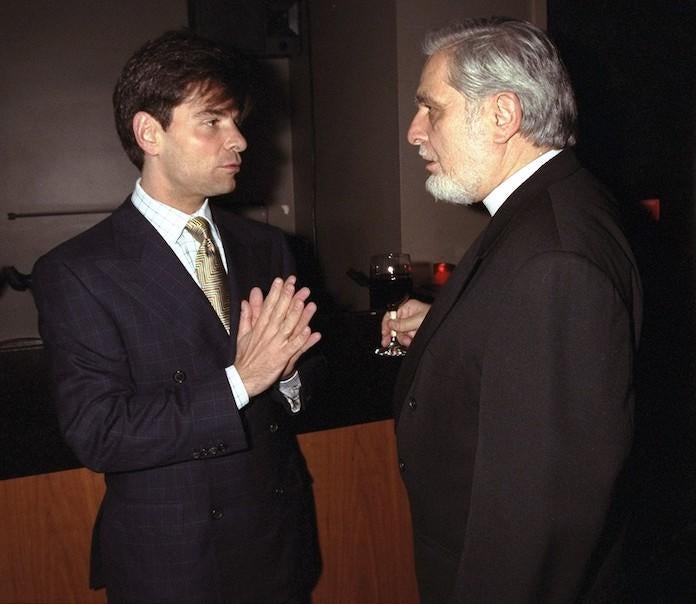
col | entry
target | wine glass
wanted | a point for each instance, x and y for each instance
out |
(390, 285)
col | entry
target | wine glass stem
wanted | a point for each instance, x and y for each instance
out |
(392, 315)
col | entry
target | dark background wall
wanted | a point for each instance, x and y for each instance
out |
(633, 65)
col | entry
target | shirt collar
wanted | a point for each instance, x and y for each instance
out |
(497, 196)
(168, 221)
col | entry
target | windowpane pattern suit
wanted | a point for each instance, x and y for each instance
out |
(204, 503)
(514, 404)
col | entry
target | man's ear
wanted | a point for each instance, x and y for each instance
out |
(146, 130)
(508, 116)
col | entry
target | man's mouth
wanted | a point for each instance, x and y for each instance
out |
(424, 155)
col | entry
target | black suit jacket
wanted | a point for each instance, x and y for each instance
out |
(204, 503)
(515, 402)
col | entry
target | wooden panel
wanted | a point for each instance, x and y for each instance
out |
(45, 535)
(364, 521)
(364, 525)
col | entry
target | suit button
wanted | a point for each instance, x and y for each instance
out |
(216, 514)
(412, 403)
(179, 376)
(402, 466)
(273, 427)
(279, 490)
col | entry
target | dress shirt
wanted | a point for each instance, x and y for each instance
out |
(170, 223)
(497, 196)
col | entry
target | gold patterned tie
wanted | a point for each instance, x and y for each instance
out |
(210, 270)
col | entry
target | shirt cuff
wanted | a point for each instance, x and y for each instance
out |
(290, 389)
(241, 396)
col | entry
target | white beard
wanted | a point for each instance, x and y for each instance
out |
(444, 188)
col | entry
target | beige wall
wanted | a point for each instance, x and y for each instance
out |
(435, 231)
(59, 149)
(366, 62)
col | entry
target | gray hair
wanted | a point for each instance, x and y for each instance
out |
(498, 54)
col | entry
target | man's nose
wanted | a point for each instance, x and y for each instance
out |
(235, 140)
(416, 132)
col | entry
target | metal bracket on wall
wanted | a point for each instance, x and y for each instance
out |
(9, 275)
(16, 215)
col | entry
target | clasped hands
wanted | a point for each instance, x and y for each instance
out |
(273, 333)
(409, 317)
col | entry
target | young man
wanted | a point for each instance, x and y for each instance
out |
(515, 400)
(167, 378)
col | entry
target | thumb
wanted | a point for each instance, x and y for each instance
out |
(405, 323)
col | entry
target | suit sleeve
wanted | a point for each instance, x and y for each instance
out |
(311, 367)
(111, 423)
(555, 429)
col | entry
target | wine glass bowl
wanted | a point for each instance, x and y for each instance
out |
(390, 285)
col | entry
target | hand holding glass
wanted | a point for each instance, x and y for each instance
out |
(390, 285)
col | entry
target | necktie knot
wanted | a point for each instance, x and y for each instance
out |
(199, 228)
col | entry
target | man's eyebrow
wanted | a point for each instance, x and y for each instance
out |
(423, 99)
(217, 111)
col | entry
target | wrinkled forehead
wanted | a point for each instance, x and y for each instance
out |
(436, 68)
(435, 78)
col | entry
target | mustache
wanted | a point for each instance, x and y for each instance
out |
(424, 154)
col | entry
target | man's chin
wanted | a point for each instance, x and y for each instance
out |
(444, 189)
(221, 189)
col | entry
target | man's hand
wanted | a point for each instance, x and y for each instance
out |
(409, 317)
(273, 333)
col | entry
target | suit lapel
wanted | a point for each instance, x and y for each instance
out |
(474, 260)
(461, 277)
(240, 263)
(152, 274)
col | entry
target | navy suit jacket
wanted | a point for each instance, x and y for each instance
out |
(514, 404)
(204, 502)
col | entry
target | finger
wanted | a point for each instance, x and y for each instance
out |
(405, 324)
(412, 307)
(283, 303)
(297, 304)
(270, 302)
(302, 341)
(298, 318)
(404, 339)
(385, 325)
(244, 320)
(291, 324)
(302, 294)
(312, 340)
(295, 308)
(256, 304)
(407, 309)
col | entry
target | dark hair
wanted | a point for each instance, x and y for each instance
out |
(493, 54)
(165, 71)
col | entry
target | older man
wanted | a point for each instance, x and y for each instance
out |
(514, 404)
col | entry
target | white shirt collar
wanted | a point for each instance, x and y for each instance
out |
(168, 221)
(497, 196)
